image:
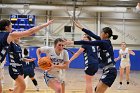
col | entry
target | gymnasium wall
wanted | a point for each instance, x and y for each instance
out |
(79, 62)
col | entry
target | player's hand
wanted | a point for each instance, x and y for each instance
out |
(31, 60)
(78, 25)
(116, 59)
(68, 42)
(50, 22)
(50, 68)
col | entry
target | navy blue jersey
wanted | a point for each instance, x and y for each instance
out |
(106, 54)
(3, 45)
(28, 65)
(90, 54)
(15, 54)
(105, 48)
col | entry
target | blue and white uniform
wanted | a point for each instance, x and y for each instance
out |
(28, 68)
(91, 59)
(15, 58)
(125, 58)
(106, 57)
(3, 45)
(57, 60)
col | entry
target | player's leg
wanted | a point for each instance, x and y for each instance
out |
(0, 87)
(101, 87)
(53, 82)
(20, 85)
(63, 86)
(107, 79)
(122, 67)
(90, 70)
(127, 74)
(89, 80)
(35, 83)
(55, 85)
(31, 75)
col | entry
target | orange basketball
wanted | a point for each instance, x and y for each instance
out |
(44, 63)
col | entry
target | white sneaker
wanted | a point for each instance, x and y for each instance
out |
(37, 88)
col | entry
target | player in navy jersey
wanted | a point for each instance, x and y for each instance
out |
(16, 67)
(106, 55)
(28, 69)
(7, 36)
(91, 62)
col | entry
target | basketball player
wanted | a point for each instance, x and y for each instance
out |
(7, 37)
(106, 55)
(91, 62)
(138, 8)
(55, 76)
(124, 55)
(2, 74)
(28, 69)
(16, 67)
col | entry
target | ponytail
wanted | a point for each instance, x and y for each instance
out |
(115, 37)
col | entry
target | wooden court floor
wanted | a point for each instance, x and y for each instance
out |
(75, 82)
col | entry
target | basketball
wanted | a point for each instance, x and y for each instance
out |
(44, 63)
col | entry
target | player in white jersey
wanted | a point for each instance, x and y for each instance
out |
(54, 78)
(124, 55)
(138, 8)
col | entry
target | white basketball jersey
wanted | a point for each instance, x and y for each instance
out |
(56, 59)
(124, 55)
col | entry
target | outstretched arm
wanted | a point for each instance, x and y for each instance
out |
(76, 54)
(91, 43)
(88, 32)
(28, 32)
(29, 60)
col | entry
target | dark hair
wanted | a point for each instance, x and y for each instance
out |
(3, 24)
(89, 38)
(110, 33)
(58, 40)
(25, 51)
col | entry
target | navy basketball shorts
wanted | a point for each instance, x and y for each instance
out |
(109, 76)
(91, 69)
(15, 71)
(29, 72)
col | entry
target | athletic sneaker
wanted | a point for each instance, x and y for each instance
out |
(37, 88)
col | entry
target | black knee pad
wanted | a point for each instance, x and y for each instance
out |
(95, 88)
(35, 82)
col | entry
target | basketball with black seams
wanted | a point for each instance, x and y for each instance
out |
(45, 63)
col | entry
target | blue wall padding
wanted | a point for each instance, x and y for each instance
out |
(79, 62)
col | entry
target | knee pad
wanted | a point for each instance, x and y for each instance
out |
(35, 82)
